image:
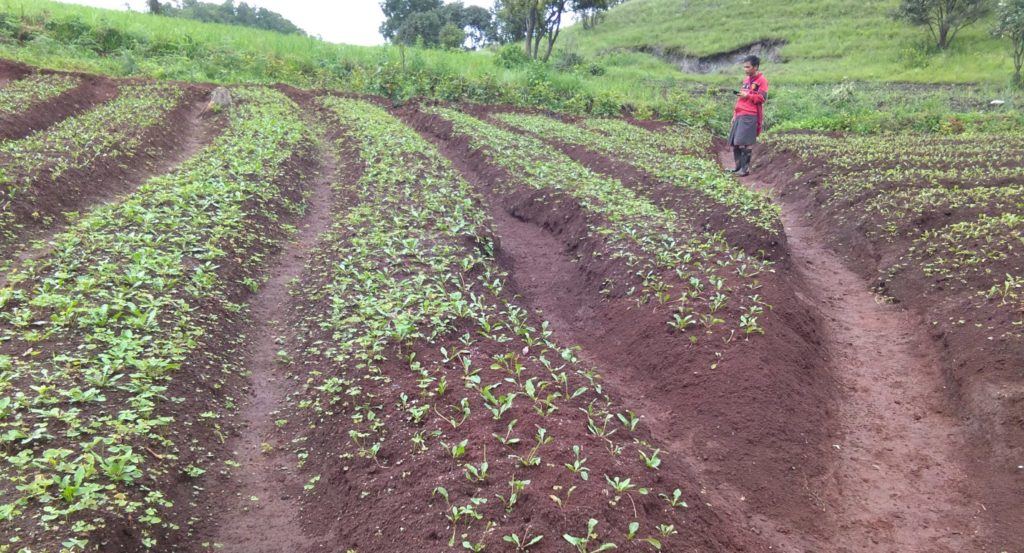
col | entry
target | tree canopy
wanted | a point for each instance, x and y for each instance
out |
(433, 23)
(542, 19)
(227, 13)
(537, 22)
(1010, 25)
(944, 18)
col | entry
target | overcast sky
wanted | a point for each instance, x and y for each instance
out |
(346, 21)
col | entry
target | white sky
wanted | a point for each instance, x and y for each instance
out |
(344, 21)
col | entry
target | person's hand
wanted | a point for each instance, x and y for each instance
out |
(744, 94)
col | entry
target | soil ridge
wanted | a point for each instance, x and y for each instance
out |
(544, 244)
(898, 479)
(981, 375)
(183, 135)
(258, 510)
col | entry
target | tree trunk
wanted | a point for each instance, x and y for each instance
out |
(531, 26)
(943, 35)
(1018, 61)
(553, 31)
(538, 36)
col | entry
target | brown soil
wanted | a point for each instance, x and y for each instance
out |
(850, 426)
(42, 212)
(367, 505)
(753, 453)
(256, 509)
(981, 375)
(900, 476)
(691, 205)
(205, 382)
(12, 71)
(91, 91)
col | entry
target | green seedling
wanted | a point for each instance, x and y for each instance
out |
(508, 440)
(477, 473)
(675, 500)
(629, 420)
(652, 461)
(524, 543)
(515, 487)
(585, 543)
(578, 466)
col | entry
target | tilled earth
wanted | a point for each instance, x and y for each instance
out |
(849, 425)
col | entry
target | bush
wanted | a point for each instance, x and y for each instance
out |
(511, 56)
(917, 54)
(452, 36)
(567, 61)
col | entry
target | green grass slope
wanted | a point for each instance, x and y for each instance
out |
(60, 36)
(828, 40)
(842, 59)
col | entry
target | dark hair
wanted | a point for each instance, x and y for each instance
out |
(753, 60)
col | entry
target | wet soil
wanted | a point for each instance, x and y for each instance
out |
(692, 206)
(92, 90)
(899, 479)
(981, 369)
(185, 131)
(257, 509)
(726, 417)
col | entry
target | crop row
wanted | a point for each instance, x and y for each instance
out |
(112, 130)
(895, 188)
(982, 254)
(654, 153)
(93, 336)
(23, 94)
(447, 393)
(713, 280)
(894, 207)
(859, 166)
(671, 138)
(950, 208)
(869, 152)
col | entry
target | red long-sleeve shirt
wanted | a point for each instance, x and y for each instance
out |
(753, 103)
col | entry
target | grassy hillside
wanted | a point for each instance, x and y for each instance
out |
(71, 37)
(827, 40)
(840, 63)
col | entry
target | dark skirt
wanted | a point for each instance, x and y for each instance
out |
(744, 131)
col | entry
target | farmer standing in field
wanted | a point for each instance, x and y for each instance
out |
(748, 117)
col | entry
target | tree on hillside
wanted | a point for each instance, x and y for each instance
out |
(420, 28)
(1010, 25)
(227, 13)
(396, 12)
(944, 18)
(477, 23)
(434, 23)
(508, 24)
(594, 14)
(543, 20)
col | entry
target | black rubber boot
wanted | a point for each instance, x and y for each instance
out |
(745, 163)
(737, 154)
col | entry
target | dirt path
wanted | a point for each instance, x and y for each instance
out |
(258, 512)
(548, 278)
(196, 132)
(898, 482)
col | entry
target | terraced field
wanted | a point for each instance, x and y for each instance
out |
(935, 224)
(314, 322)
